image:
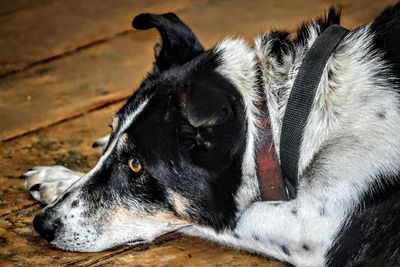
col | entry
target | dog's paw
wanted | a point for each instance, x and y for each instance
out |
(46, 184)
(101, 143)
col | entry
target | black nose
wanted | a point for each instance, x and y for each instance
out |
(45, 225)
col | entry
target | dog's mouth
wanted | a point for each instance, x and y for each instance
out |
(142, 243)
(135, 242)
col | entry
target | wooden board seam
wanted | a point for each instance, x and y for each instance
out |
(100, 102)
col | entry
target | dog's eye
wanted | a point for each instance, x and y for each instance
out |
(135, 165)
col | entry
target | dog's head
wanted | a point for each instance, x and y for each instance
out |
(178, 152)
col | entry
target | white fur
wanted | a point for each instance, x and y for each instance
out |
(101, 143)
(53, 182)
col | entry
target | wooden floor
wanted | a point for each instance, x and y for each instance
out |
(66, 66)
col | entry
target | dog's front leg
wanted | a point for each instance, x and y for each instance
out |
(48, 183)
(299, 232)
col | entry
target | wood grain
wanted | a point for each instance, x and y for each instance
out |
(56, 27)
(8, 7)
(71, 86)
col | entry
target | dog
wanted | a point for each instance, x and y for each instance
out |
(181, 153)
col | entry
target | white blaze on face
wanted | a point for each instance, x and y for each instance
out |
(120, 134)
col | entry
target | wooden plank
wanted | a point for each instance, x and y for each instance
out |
(83, 81)
(10, 6)
(70, 143)
(56, 27)
(248, 18)
(109, 71)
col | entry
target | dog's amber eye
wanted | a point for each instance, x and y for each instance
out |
(135, 165)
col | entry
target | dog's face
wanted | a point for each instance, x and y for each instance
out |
(174, 157)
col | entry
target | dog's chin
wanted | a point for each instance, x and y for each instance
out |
(75, 243)
(95, 245)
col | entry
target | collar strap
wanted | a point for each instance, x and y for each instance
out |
(300, 102)
(269, 175)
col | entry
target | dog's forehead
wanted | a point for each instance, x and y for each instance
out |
(129, 111)
(160, 84)
(125, 118)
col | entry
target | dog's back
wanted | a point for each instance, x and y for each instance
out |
(371, 235)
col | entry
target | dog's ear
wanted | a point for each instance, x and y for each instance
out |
(179, 44)
(213, 108)
(208, 101)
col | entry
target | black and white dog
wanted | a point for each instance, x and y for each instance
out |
(181, 154)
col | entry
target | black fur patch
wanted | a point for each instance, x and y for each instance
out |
(35, 187)
(256, 237)
(294, 211)
(280, 44)
(332, 17)
(322, 211)
(381, 114)
(179, 44)
(386, 33)
(370, 236)
(75, 203)
(285, 250)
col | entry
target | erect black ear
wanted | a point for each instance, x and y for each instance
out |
(179, 44)
(208, 101)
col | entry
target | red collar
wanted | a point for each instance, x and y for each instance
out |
(269, 174)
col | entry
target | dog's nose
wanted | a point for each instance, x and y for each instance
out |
(46, 226)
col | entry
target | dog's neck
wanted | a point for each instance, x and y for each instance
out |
(278, 70)
(248, 69)
(274, 73)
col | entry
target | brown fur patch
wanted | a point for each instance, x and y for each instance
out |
(123, 139)
(179, 202)
(182, 99)
(115, 123)
(164, 221)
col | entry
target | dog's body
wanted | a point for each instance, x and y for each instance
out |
(197, 166)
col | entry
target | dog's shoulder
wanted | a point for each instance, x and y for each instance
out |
(370, 234)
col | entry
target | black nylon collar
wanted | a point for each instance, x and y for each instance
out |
(300, 102)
